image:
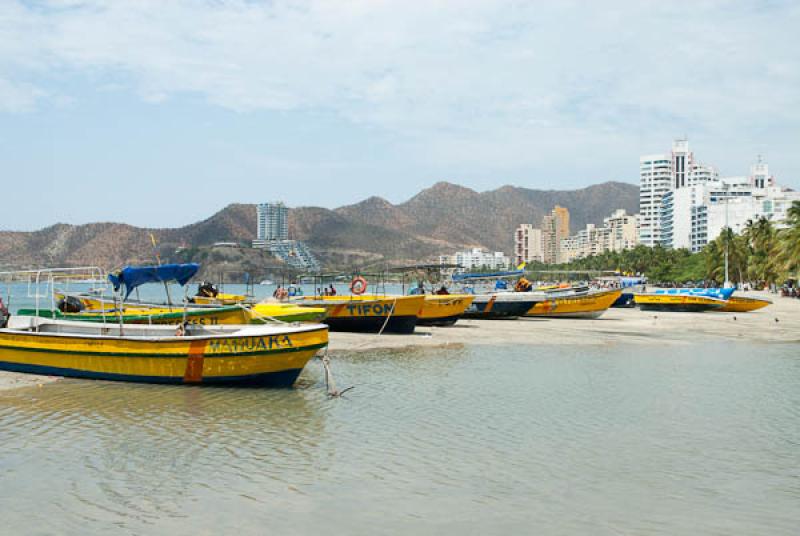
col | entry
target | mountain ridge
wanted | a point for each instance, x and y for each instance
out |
(437, 220)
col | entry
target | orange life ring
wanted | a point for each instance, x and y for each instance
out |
(358, 285)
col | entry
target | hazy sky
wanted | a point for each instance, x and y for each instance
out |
(162, 112)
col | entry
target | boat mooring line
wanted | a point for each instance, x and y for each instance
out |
(330, 384)
(391, 311)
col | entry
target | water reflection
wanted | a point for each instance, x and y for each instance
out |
(137, 451)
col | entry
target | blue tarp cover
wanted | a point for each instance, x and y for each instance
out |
(133, 276)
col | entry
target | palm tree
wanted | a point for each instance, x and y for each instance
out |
(789, 240)
(738, 252)
(761, 237)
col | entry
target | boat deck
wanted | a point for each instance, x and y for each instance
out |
(29, 324)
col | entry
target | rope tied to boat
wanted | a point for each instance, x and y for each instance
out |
(391, 311)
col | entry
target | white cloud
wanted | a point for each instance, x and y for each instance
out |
(493, 76)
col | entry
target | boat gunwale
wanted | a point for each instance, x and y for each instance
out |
(175, 355)
(292, 329)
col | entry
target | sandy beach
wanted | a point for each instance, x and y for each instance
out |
(778, 323)
(615, 326)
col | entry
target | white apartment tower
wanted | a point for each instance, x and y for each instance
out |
(272, 222)
(655, 180)
(660, 174)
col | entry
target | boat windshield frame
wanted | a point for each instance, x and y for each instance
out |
(50, 277)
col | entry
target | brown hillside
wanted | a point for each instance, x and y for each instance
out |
(438, 220)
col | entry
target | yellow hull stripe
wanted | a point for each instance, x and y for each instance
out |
(591, 303)
(444, 306)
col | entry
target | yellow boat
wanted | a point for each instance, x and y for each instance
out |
(368, 313)
(268, 355)
(591, 305)
(678, 302)
(740, 304)
(95, 309)
(220, 299)
(145, 314)
(443, 309)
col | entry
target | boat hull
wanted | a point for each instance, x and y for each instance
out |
(625, 300)
(677, 303)
(286, 313)
(737, 304)
(443, 310)
(494, 308)
(369, 313)
(247, 358)
(591, 305)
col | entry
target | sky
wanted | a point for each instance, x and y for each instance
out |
(159, 113)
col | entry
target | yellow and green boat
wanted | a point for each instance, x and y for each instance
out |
(590, 305)
(267, 355)
(740, 304)
(443, 310)
(94, 309)
(368, 313)
(220, 299)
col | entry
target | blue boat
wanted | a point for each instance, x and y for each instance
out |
(721, 293)
(502, 305)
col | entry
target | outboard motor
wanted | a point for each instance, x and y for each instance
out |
(69, 304)
(207, 290)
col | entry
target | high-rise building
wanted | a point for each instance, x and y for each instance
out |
(693, 216)
(682, 163)
(273, 221)
(272, 234)
(528, 244)
(660, 174)
(555, 228)
(477, 258)
(759, 174)
(623, 230)
(655, 174)
(618, 232)
(702, 173)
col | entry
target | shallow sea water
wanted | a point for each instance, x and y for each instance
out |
(619, 439)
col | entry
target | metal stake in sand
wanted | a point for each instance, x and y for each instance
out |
(330, 385)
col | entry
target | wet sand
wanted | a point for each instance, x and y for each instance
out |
(778, 323)
(13, 380)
